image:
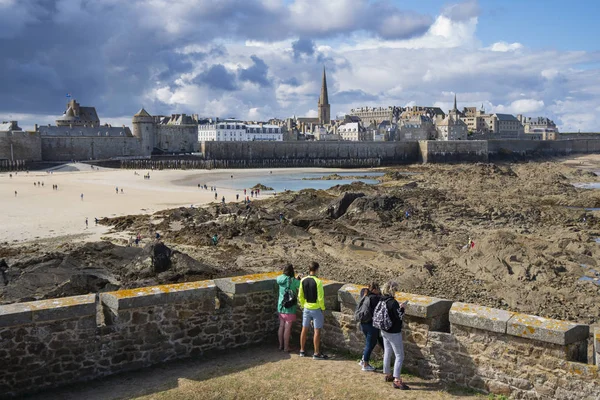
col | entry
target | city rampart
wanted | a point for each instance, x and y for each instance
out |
(310, 153)
(66, 148)
(56, 342)
(176, 138)
(20, 145)
(530, 149)
(452, 151)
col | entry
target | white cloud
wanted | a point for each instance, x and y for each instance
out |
(504, 47)
(522, 106)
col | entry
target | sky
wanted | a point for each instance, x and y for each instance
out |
(262, 59)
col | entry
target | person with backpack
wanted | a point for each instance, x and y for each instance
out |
(364, 315)
(286, 306)
(388, 317)
(312, 299)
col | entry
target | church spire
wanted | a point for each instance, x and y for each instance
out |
(323, 105)
(455, 109)
(324, 98)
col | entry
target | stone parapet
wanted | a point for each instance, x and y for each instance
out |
(248, 283)
(156, 295)
(47, 310)
(480, 317)
(60, 341)
(546, 330)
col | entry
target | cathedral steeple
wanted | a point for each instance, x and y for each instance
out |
(455, 109)
(324, 107)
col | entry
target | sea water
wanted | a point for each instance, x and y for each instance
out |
(295, 180)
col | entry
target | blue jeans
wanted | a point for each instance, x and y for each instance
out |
(315, 315)
(372, 337)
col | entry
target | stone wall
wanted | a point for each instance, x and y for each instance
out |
(176, 138)
(314, 153)
(60, 341)
(66, 148)
(25, 146)
(529, 149)
(451, 151)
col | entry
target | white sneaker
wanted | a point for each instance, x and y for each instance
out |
(361, 363)
(368, 368)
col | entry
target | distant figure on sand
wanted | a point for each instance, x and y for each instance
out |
(15, 193)
(237, 197)
(86, 223)
(117, 190)
(223, 200)
(216, 195)
(96, 221)
(81, 196)
(121, 190)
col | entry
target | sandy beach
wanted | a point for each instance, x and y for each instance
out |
(41, 212)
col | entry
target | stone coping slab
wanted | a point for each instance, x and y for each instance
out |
(248, 283)
(418, 306)
(480, 317)
(547, 330)
(48, 310)
(156, 295)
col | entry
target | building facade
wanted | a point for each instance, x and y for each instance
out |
(230, 130)
(509, 126)
(418, 127)
(354, 132)
(451, 128)
(373, 115)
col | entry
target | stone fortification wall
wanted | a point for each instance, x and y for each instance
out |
(176, 138)
(528, 149)
(55, 342)
(112, 131)
(65, 148)
(451, 151)
(311, 154)
(25, 146)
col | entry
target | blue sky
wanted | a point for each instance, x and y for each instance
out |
(259, 59)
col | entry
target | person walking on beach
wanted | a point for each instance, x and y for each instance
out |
(364, 315)
(117, 190)
(286, 305)
(388, 317)
(81, 196)
(237, 197)
(223, 200)
(216, 195)
(312, 299)
(15, 193)
(86, 223)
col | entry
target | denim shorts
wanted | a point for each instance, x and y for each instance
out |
(314, 315)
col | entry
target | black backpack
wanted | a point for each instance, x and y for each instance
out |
(289, 296)
(363, 312)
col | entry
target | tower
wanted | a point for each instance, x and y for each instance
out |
(324, 107)
(143, 128)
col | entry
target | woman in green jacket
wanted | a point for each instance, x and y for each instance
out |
(287, 315)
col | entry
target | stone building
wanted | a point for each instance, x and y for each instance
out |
(543, 127)
(417, 127)
(509, 126)
(478, 121)
(75, 115)
(435, 113)
(354, 132)
(451, 128)
(373, 115)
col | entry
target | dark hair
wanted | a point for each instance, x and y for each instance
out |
(288, 269)
(373, 286)
(314, 266)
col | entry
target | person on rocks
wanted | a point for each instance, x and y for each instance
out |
(237, 197)
(223, 200)
(157, 236)
(365, 310)
(86, 222)
(215, 239)
(312, 299)
(3, 269)
(388, 317)
(286, 305)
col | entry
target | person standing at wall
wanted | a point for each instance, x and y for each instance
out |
(388, 317)
(287, 304)
(312, 299)
(370, 297)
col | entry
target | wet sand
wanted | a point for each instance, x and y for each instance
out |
(41, 212)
